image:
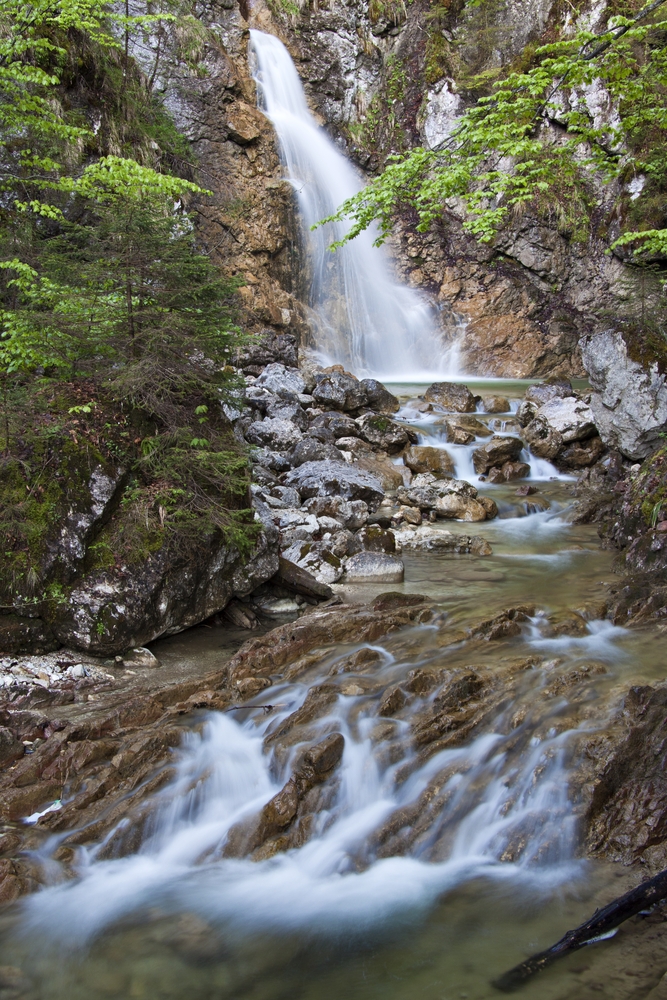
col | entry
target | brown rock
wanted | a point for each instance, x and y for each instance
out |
(451, 396)
(542, 439)
(489, 506)
(526, 491)
(468, 427)
(515, 470)
(423, 458)
(244, 124)
(325, 755)
(393, 701)
(459, 508)
(11, 748)
(581, 454)
(496, 452)
(495, 404)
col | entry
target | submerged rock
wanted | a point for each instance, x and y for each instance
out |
(374, 566)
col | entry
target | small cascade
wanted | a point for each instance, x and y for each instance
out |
(497, 807)
(366, 319)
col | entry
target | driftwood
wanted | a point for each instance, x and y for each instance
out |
(602, 922)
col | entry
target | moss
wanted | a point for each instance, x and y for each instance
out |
(648, 492)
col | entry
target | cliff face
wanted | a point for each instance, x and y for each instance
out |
(382, 77)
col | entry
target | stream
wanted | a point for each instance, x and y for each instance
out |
(421, 869)
(419, 875)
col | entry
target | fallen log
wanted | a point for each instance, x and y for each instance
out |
(642, 897)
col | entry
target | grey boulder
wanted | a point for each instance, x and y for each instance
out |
(374, 566)
(629, 404)
(336, 479)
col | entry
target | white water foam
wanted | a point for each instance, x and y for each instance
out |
(505, 786)
(367, 320)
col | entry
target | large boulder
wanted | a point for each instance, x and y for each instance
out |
(496, 452)
(332, 425)
(339, 391)
(381, 432)
(277, 377)
(546, 392)
(451, 396)
(629, 404)
(275, 433)
(379, 397)
(464, 429)
(423, 458)
(336, 479)
(110, 610)
(570, 416)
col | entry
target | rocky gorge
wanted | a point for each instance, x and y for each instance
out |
(370, 699)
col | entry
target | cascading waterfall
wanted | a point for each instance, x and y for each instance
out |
(507, 786)
(366, 320)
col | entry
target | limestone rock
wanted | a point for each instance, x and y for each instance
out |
(426, 495)
(422, 458)
(495, 404)
(353, 514)
(427, 538)
(542, 439)
(171, 590)
(572, 418)
(374, 566)
(451, 396)
(277, 376)
(629, 404)
(380, 431)
(374, 538)
(140, 657)
(379, 397)
(459, 508)
(266, 348)
(317, 559)
(336, 479)
(547, 392)
(340, 391)
(497, 451)
(309, 449)
(333, 425)
(273, 432)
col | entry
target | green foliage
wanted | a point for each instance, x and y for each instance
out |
(503, 156)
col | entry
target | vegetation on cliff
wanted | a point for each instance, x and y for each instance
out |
(536, 137)
(115, 328)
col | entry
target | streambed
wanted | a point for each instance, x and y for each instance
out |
(422, 870)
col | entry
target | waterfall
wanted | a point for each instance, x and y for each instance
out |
(365, 319)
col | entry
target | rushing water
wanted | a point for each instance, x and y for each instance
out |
(365, 318)
(484, 869)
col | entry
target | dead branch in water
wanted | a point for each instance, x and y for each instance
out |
(602, 922)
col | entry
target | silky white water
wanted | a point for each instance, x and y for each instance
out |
(507, 785)
(365, 319)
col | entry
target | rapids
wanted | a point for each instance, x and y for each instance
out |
(421, 875)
